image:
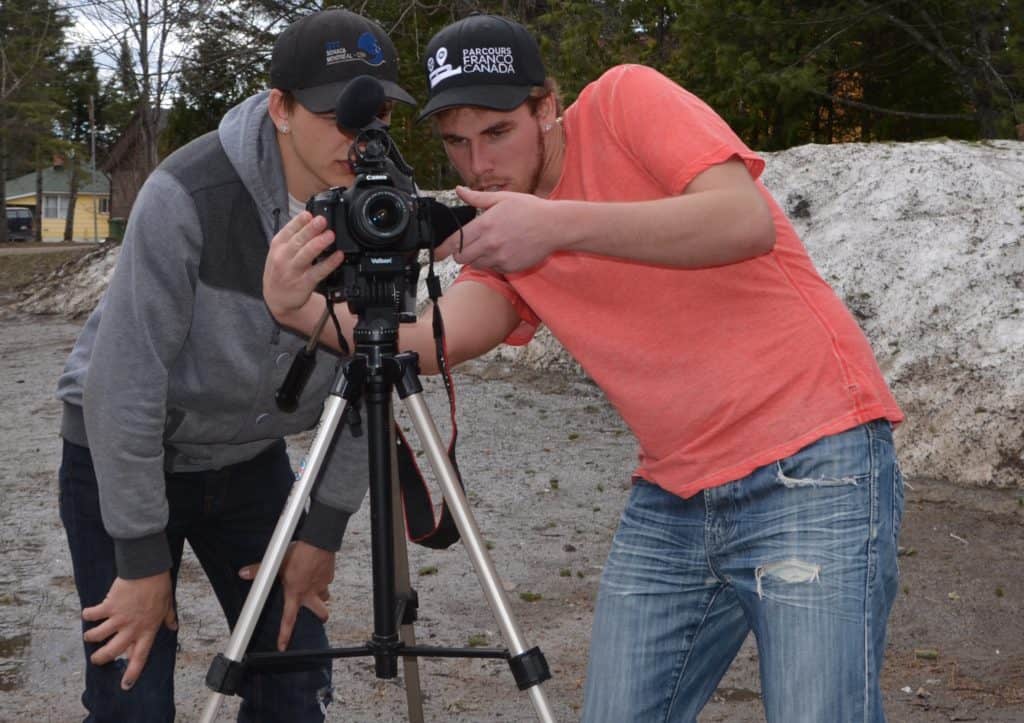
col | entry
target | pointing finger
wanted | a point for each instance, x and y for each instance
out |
(479, 199)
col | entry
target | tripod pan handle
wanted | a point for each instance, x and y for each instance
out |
(287, 396)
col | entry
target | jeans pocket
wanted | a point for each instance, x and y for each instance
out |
(842, 459)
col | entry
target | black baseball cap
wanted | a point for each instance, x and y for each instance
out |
(482, 60)
(316, 56)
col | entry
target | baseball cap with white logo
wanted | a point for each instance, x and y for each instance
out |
(316, 56)
(483, 60)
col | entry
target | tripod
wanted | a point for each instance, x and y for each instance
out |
(373, 372)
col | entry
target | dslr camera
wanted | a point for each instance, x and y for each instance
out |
(380, 223)
(380, 212)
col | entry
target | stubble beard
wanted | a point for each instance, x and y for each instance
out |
(535, 173)
(539, 165)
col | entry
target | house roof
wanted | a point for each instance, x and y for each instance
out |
(58, 180)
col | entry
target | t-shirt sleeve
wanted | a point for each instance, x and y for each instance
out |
(529, 322)
(669, 131)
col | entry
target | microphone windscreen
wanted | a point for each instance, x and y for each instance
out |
(358, 104)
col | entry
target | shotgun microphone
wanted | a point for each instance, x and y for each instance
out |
(358, 105)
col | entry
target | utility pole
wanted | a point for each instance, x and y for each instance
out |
(92, 167)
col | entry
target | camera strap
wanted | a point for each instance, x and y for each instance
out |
(342, 342)
(420, 523)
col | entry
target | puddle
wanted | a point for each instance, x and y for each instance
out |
(12, 654)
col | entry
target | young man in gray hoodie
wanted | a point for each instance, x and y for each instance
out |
(170, 428)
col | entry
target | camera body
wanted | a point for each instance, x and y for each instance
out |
(378, 213)
(380, 223)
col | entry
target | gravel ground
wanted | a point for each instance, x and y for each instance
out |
(546, 461)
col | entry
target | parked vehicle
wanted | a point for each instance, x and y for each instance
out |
(19, 223)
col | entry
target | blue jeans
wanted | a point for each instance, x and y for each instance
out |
(802, 552)
(227, 516)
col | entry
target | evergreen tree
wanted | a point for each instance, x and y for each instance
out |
(781, 73)
(119, 99)
(144, 37)
(799, 71)
(215, 75)
(31, 37)
(76, 124)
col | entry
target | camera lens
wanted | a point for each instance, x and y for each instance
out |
(381, 217)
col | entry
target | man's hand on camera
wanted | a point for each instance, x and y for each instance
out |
(512, 235)
(132, 613)
(306, 573)
(292, 271)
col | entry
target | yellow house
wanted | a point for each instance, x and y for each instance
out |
(92, 209)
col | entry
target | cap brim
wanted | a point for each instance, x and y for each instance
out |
(493, 97)
(323, 98)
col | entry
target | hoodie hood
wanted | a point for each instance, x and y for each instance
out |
(250, 142)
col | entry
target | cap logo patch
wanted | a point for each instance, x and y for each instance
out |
(369, 45)
(437, 68)
(494, 60)
(368, 51)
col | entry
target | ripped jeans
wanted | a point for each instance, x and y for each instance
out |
(802, 552)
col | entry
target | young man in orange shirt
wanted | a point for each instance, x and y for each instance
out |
(767, 495)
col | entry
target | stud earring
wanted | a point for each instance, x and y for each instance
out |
(547, 127)
(284, 127)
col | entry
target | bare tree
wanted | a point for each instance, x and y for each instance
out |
(154, 31)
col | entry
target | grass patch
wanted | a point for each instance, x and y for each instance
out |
(18, 269)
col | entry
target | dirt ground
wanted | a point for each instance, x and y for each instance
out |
(546, 461)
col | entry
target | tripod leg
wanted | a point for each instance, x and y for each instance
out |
(403, 587)
(226, 665)
(466, 524)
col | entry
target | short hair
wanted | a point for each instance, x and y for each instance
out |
(539, 92)
(288, 100)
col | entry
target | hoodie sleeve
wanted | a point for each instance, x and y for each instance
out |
(147, 314)
(339, 492)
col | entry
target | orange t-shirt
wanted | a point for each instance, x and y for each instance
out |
(716, 371)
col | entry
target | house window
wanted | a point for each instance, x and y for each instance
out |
(55, 206)
(104, 206)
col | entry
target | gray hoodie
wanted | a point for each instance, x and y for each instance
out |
(176, 368)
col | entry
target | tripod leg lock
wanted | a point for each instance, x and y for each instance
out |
(224, 675)
(529, 668)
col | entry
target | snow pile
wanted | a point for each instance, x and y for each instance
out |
(925, 243)
(76, 287)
